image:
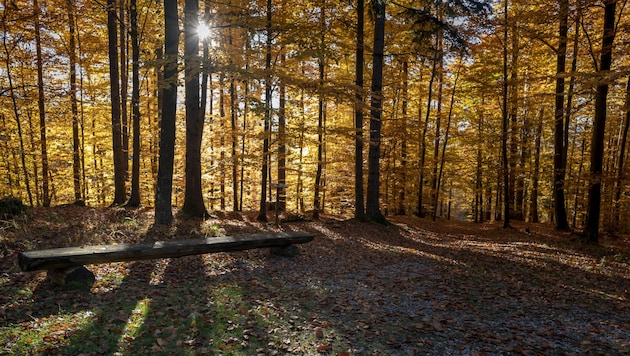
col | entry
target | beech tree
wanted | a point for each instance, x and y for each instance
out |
(373, 211)
(117, 148)
(164, 188)
(193, 200)
(599, 124)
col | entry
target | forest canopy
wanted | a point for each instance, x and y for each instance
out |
(465, 110)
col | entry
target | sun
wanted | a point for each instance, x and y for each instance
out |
(203, 31)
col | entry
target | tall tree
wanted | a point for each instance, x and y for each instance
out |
(621, 159)
(373, 211)
(591, 230)
(41, 105)
(321, 112)
(134, 198)
(76, 161)
(117, 148)
(193, 197)
(262, 212)
(359, 204)
(504, 126)
(124, 79)
(163, 193)
(559, 159)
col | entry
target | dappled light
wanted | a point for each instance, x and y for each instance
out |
(414, 286)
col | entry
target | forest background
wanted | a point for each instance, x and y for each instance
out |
(446, 109)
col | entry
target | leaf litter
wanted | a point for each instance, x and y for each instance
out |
(413, 288)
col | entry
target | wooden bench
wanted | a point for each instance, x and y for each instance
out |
(66, 265)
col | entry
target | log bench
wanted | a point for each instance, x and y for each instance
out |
(66, 265)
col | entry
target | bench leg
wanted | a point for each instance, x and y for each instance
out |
(287, 251)
(72, 277)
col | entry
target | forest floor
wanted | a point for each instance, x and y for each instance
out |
(413, 288)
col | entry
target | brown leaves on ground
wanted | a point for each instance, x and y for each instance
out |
(416, 287)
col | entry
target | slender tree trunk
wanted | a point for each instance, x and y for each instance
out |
(117, 148)
(262, 213)
(282, 143)
(193, 197)
(504, 129)
(163, 195)
(403, 145)
(359, 204)
(425, 126)
(445, 144)
(233, 120)
(41, 105)
(515, 196)
(243, 138)
(533, 208)
(134, 199)
(76, 161)
(373, 212)
(321, 113)
(591, 229)
(479, 174)
(621, 160)
(124, 82)
(438, 122)
(222, 142)
(559, 161)
(206, 76)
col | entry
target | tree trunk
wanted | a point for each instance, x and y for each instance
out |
(599, 125)
(233, 120)
(117, 148)
(321, 114)
(124, 82)
(621, 160)
(402, 193)
(262, 213)
(504, 128)
(515, 196)
(76, 161)
(41, 105)
(359, 204)
(163, 195)
(438, 123)
(445, 144)
(425, 126)
(134, 199)
(533, 208)
(373, 212)
(559, 161)
(282, 143)
(193, 197)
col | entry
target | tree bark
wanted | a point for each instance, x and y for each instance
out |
(163, 195)
(621, 160)
(262, 213)
(117, 148)
(359, 203)
(403, 145)
(591, 229)
(42, 107)
(504, 127)
(76, 161)
(321, 114)
(373, 212)
(559, 161)
(193, 197)
(134, 199)
(533, 208)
